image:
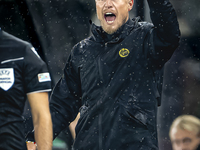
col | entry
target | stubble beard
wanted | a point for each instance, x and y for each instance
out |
(110, 30)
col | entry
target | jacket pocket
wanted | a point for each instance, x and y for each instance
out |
(135, 117)
(138, 113)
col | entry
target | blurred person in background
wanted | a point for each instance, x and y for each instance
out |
(185, 133)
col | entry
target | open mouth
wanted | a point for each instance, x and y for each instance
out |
(109, 17)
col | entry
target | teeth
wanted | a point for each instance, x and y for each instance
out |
(110, 21)
(109, 13)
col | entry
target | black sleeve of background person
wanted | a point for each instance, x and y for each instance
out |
(140, 8)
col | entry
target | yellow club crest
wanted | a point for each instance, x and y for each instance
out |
(124, 52)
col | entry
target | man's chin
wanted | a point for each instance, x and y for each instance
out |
(109, 29)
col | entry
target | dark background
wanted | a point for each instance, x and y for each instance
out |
(53, 27)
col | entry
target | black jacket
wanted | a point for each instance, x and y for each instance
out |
(111, 80)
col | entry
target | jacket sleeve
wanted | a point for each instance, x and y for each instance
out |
(164, 36)
(65, 100)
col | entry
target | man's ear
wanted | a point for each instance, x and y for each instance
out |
(130, 4)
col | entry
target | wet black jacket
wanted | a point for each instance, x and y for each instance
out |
(111, 80)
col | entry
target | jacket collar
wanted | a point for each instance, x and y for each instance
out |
(101, 36)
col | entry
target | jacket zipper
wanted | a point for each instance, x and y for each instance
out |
(100, 115)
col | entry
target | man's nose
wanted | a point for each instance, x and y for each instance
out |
(108, 3)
